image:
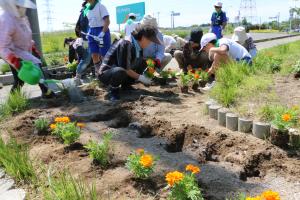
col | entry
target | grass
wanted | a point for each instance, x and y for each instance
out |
(239, 86)
(41, 124)
(17, 102)
(54, 42)
(14, 158)
(66, 187)
(100, 151)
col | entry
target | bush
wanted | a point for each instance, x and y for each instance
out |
(41, 124)
(100, 151)
(141, 164)
(14, 158)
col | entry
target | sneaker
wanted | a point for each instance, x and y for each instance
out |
(114, 94)
(209, 86)
(48, 95)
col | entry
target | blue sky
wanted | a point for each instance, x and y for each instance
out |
(192, 11)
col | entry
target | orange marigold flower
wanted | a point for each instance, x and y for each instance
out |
(196, 76)
(151, 70)
(192, 168)
(146, 161)
(62, 120)
(80, 125)
(286, 117)
(174, 177)
(52, 126)
(140, 151)
(270, 195)
(254, 198)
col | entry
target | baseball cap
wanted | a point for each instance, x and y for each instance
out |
(196, 35)
(207, 38)
(219, 4)
(25, 4)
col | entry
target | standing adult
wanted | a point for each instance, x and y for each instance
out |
(156, 51)
(99, 21)
(16, 44)
(130, 26)
(218, 20)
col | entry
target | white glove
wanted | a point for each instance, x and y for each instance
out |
(144, 80)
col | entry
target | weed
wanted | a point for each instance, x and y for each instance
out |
(14, 158)
(65, 186)
(100, 151)
(41, 124)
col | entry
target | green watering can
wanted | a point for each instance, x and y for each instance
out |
(31, 74)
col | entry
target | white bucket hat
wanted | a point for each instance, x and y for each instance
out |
(10, 5)
(207, 38)
(25, 4)
(239, 35)
(218, 4)
(149, 20)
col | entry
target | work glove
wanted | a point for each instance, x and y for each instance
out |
(100, 39)
(13, 60)
(143, 79)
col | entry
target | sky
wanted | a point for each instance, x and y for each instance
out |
(192, 11)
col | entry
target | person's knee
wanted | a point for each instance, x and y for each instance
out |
(166, 59)
(178, 55)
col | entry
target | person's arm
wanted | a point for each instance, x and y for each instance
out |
(105, 16)
(132, 74)
(223, 49)
(224, 20)
(106, 24)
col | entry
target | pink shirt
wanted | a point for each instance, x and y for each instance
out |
(16, 37)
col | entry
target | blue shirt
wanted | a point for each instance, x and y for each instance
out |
(155, 51)
(217, 19)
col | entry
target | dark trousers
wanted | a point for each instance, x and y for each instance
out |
(18, 83)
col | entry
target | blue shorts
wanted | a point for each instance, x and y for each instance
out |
(94, 45)
(218, 31)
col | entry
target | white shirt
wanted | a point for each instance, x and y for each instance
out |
(169, 41)
(235, 50)
(129, 28)
(96, 15)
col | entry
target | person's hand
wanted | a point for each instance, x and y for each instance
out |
(13, 60)
(100, 39)
(143, 79)
(211, 55)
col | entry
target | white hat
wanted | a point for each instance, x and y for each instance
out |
(149, 20)
(219, 4)
(131, 15)
(207, 38)
(25, 4)
(239, 35)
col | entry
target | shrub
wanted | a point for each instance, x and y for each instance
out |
(41, 124)
(100, 151)
(68, 131)
(14, 158)
(141, 164)
(184, 186)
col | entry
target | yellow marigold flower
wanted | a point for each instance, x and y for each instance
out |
(146, 161)
(66, 119)
(286, 117)
(80, 125)
(270, 195)
(193, 169)
(254, 198)
(140, 151)
(62, 120)
(52, 126)
(174, 177)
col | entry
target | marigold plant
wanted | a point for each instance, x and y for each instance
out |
(270, 195)
(141, 164)
(286, 119)
(184, 186)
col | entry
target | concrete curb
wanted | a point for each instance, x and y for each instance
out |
(275, 38)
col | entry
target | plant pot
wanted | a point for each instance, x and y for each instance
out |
(184, 89)
(294, 138)
(195, 86)
(202, 84)
(261, 130)
(297, 75)
(279, 138)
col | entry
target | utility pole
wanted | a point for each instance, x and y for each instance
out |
(32, 15)
(173, 14)
(158, 13)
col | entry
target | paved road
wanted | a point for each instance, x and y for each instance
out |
(34, 91)
(261, 36)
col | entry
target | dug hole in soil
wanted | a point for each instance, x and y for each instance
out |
(175, 129)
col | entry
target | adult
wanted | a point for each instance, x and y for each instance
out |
(228, 50)
(191, 56)
(130, 25)
(99, 21)
(170, 43)
(80, 45)
(123, 64)
(16, 44)
(156, 51)
(218, 20)
(242, 37)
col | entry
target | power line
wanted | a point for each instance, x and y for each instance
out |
(48, 12)
(248, 11)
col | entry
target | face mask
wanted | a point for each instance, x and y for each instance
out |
(21, 11)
